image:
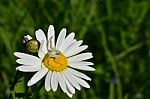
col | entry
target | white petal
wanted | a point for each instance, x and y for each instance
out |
(77, 50)
(80, 63)
(78, 74)
(73, 46)
(29, 62)
(51, 35)
(70, 88)
(26, 56)
(61, 38)
(71, 79)
(81, 81)
(37, 76)
(48, 81)
(67, 41)
(41, 53)
(40, 36)
(54, 81)
(61, 82)
(80, 57)
(68, 45)
(86, 68)
(27, 38)
(69, 94)
(24, 68)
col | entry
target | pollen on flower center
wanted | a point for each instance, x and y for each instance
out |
(55, 63)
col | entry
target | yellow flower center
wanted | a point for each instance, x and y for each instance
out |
(55, 63)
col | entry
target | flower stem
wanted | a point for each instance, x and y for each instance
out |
(13, 84)
(37, 90)
(111, 91)
(12, 93)
(111, 60)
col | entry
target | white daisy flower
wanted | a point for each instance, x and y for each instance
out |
(59, 62)
(27, 38)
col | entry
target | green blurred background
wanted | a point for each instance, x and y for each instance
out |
(117, 32)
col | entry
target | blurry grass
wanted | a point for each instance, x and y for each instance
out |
(117, 33)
